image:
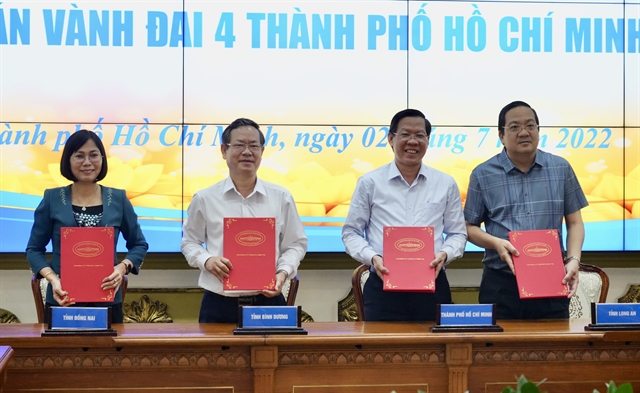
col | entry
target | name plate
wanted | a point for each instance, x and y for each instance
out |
(614, 316)
(466, 318)
(269, 320)
(79, 321)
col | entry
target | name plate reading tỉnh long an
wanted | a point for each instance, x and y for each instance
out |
(269, 320)
(466, 317)
(79, 320)
(614, 316)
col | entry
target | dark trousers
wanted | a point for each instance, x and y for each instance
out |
(381, 305)
(223, 309)
(500, 287)
(117, 316)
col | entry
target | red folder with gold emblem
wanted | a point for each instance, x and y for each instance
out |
(408, 251)
(539, 267)
(86, 258)
(250, 244)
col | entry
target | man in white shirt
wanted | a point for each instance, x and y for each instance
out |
(405, 193)
(242, 194)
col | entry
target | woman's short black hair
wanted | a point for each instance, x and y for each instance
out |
(73, 144)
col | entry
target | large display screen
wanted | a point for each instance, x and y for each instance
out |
(159, 81)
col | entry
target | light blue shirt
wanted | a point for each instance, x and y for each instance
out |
(384, 198)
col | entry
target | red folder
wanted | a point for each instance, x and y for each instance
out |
(86, 258)
(250, 244)
(539, 267)
(408, 251)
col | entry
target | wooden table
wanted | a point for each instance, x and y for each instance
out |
(335, 357)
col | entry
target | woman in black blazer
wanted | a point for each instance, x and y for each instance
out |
(84, 203)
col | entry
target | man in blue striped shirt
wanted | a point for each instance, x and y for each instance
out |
(522, 188)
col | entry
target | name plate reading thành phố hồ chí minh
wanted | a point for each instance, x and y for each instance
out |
(466, 318)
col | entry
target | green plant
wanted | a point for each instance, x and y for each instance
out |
(612, 388)
(524, 386)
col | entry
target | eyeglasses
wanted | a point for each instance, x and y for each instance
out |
(516, 128)
(420, 137)
(240, 147)
(93, 158)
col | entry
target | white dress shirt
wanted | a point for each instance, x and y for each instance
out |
(204, 226)
(384, 198)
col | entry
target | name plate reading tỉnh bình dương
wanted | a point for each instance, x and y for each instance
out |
(269, 320)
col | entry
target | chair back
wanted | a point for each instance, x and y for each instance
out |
(358, 279)
(290, 290)
(39, 291)
(593, 287)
